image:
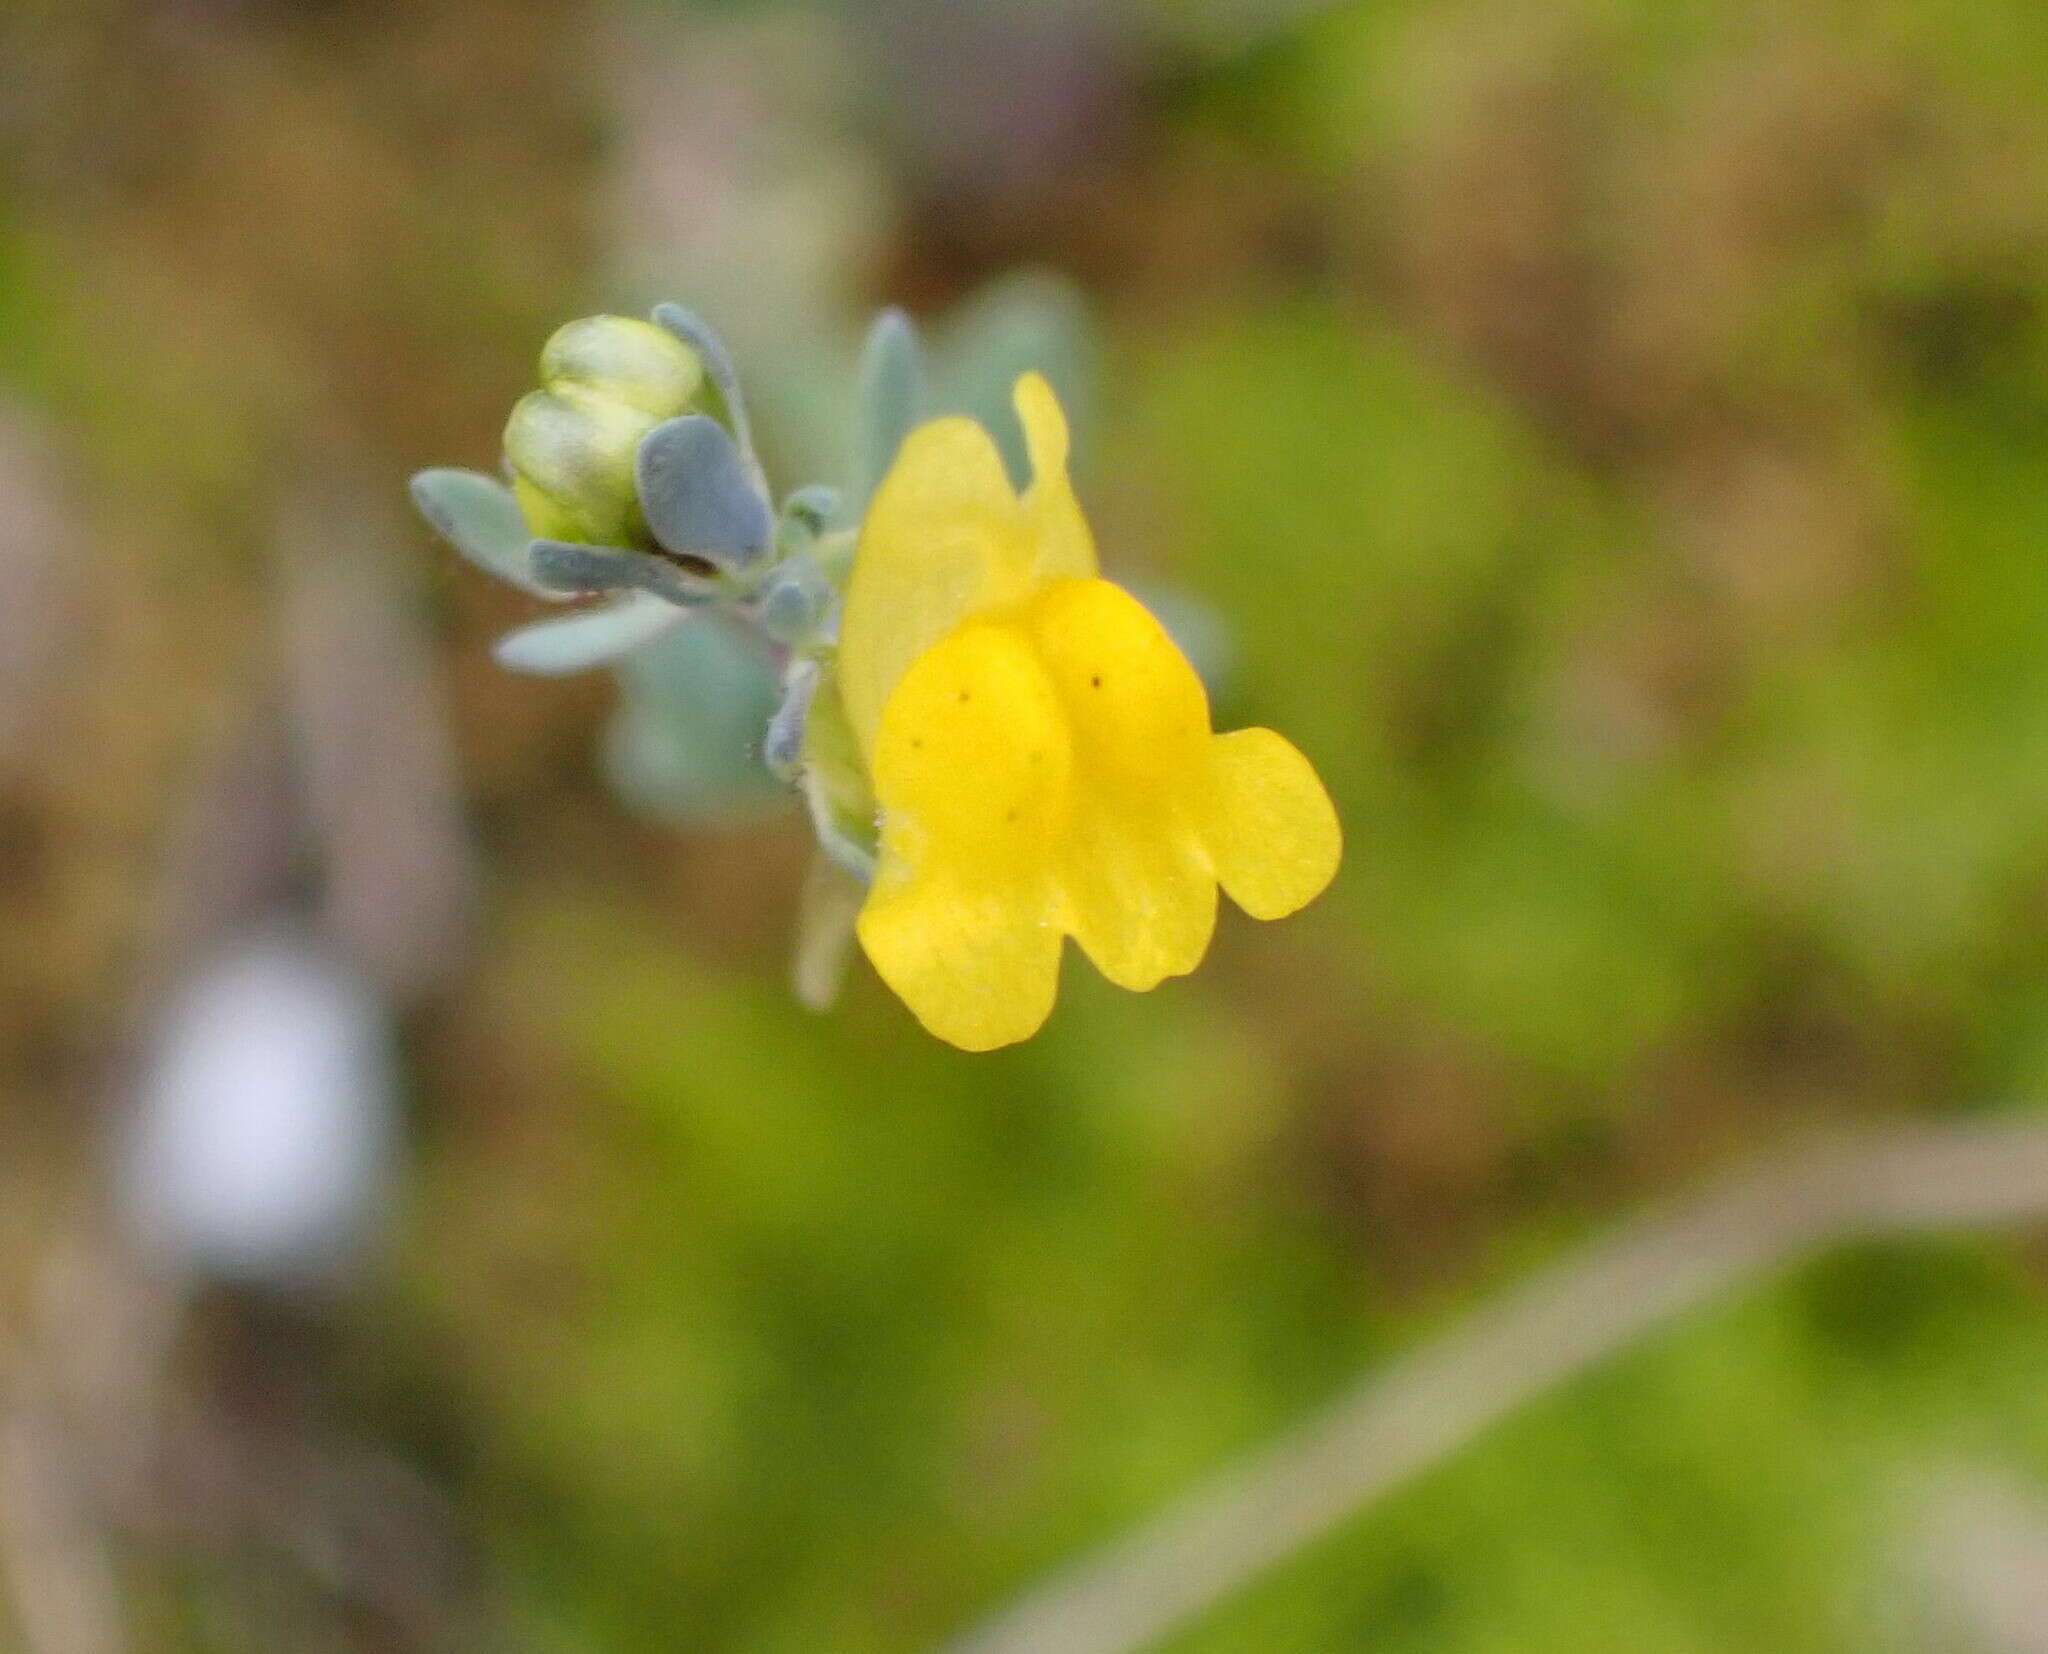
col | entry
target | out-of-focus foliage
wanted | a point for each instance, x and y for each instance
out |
(1617, 438)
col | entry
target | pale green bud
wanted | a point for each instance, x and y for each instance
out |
(629, 361)
(606, 381)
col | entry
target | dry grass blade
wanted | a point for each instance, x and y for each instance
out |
(1403, 1420)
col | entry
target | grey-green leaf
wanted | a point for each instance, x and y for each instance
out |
(782, 749)
(812, 508)
(891, 397)
(566, 566)
(703, 338)
(699, 496)
(478, 516)
(685, 743)
(796, 602)
(594, 637)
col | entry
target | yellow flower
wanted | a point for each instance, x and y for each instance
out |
(1041, 754)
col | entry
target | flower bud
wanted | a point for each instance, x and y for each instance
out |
(606, 381)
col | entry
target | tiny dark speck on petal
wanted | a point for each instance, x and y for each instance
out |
(1096, 681)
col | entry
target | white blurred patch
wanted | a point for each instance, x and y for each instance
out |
(262, 1145)
(1970, 1571)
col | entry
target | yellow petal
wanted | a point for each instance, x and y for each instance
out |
(972, 766)
(1065, 548)
(944, 538)
(973, 758)
(1140, 715)
(976, 959)
(1269, 825)
(1140, 892)
(1140, 895)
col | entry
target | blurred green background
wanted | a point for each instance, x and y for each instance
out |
(1615, 434)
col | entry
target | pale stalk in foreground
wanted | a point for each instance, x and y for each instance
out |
(1409, 1416)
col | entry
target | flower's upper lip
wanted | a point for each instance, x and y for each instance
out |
(947, 537)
